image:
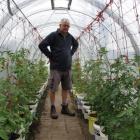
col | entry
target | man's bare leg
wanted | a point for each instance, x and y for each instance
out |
(53, 113)
(65, 96)
(65, 110)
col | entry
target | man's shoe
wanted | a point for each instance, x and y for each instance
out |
(53, 113)
(65, 110)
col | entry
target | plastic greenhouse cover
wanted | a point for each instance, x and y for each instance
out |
(109, 32)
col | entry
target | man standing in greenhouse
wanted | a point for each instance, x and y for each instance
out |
(62, 47)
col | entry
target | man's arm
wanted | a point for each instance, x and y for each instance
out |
(45, 43)
(74, 45)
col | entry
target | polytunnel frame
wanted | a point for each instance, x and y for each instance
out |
(120, 23)
(96, 4)
(74, 25)
(43, 11)
(50, 24)
(68, 13)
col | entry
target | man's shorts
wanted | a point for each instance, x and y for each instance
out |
(59, 76)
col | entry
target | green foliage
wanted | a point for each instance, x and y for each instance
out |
(77, 77)
(117, 101)
(94, 77)
(18, 87)
(114, 94)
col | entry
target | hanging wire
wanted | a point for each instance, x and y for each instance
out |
(34, 28)
(137, 15)
(80, 30)
(97, 19)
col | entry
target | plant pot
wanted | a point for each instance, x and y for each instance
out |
(32, 103)
(86, 114)
(38, 96)
(79, 106)
(91, 121)
(79, 98)
(43, 88)
(99, 135)
(85, 108)
(84, 102)
(33, 108)
(14, 136)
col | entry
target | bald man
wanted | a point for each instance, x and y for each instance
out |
(62, 47)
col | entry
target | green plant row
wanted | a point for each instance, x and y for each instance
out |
(113, 90)
(20, 80)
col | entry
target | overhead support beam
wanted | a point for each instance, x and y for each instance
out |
(9, 8)
(52, 4)
(63, 8)
(60, 8)
(69, 4)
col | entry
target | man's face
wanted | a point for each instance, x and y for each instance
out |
(64, 27)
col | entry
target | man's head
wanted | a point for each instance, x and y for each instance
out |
(64, 25)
